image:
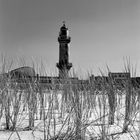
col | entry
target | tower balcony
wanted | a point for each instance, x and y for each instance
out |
(61, 66)
(69, 65)
(64, 39)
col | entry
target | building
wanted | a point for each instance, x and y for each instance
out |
(119, 75)
(119, 79)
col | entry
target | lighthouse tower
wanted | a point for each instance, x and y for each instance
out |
(63, 65)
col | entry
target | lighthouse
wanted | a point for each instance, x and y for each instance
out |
(63, 65)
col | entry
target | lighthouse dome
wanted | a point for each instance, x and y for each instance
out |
(63, 30)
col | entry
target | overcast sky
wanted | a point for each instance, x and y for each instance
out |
(102, 31)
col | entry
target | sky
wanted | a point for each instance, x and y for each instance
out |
(103, 32)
